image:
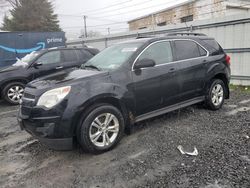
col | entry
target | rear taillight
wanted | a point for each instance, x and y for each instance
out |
(228, 59)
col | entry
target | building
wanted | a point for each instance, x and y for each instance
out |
(189, 11)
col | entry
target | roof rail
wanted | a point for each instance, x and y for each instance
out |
(141, 36)
(188, 34)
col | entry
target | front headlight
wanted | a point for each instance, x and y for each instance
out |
(53, 97)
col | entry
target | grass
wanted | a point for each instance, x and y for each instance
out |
(240, 88)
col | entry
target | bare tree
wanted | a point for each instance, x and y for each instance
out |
(13, 3)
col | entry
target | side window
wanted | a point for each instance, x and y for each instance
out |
(69, 55)
(83, 55)
(202, 51)
(160, 52)
(215, 47)
(186, 49)
(50, 58)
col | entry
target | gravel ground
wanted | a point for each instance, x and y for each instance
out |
(146, 158)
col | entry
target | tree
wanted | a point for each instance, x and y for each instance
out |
(31, 15)
(91, 33)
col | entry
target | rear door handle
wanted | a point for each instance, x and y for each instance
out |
(59, 67)
(172, 70)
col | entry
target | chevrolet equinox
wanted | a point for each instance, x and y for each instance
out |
(122, 85)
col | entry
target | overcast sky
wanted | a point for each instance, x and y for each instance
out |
(103, 14)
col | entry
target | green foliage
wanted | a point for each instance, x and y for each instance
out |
(32, 15)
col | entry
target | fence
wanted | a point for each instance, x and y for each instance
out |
(232, 32)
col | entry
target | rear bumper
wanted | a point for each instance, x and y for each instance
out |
(44, 129)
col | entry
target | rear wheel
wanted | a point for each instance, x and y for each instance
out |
(216, 94)
(13, 92)
(101, 130)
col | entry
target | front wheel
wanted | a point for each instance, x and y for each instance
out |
(216, 94)
(101, 130)
(13, 92)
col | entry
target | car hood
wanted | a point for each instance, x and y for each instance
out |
(64, 77)
(9, 69)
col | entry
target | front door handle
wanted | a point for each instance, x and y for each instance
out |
(172, 70)
(59, 67)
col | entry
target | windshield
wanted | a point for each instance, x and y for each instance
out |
(29, 57)
(113, 57)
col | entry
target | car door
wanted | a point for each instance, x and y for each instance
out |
(83, 56)
(192, 59)
(148, 81)
(48, 63)
(70, 58)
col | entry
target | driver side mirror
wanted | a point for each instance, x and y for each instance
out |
(143, 63)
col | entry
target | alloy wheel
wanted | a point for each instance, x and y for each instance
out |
(217, 94)
(104, 130)
(15, 93)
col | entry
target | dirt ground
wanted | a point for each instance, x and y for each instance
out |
(146, 158)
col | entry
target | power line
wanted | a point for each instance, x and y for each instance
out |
(101, 12)
(106, 7)
(118, 23)
(133, 5)
(142, 9)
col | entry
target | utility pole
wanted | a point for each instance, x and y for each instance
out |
(85, 26)
(108, 30)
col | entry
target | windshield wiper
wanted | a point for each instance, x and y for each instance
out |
(92, 66)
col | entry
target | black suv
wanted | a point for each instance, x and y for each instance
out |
(39, 63)
(124, 84)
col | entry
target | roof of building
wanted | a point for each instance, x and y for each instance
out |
(163, 10)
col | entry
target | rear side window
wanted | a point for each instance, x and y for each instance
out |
(69, 55)
(160, 52)
(187, 50)
(202, 51)
(83, 55)
(215, 48)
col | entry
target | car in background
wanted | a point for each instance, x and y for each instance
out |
(125, 84)
(39, 63)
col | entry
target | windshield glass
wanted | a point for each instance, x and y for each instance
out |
(29, 57)
(25, 61)
(113, 57)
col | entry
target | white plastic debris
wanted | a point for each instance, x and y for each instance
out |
(194, 153)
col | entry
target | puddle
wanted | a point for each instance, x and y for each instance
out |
(241, 109)
(23, 146)
(12, 167)
(49, 161)
(245, 101)
(14, 139)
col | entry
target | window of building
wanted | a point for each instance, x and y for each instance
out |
(187, 18)
(162, 24)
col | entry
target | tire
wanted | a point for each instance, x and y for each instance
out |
(216, 94)
(13, 92)
(97, 137)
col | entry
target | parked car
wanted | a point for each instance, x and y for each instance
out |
(39, 63)
(124, 84)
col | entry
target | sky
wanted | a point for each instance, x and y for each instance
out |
(102, 14)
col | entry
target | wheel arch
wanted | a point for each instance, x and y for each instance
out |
(6, 82)
(223, 77)
(99, 100)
